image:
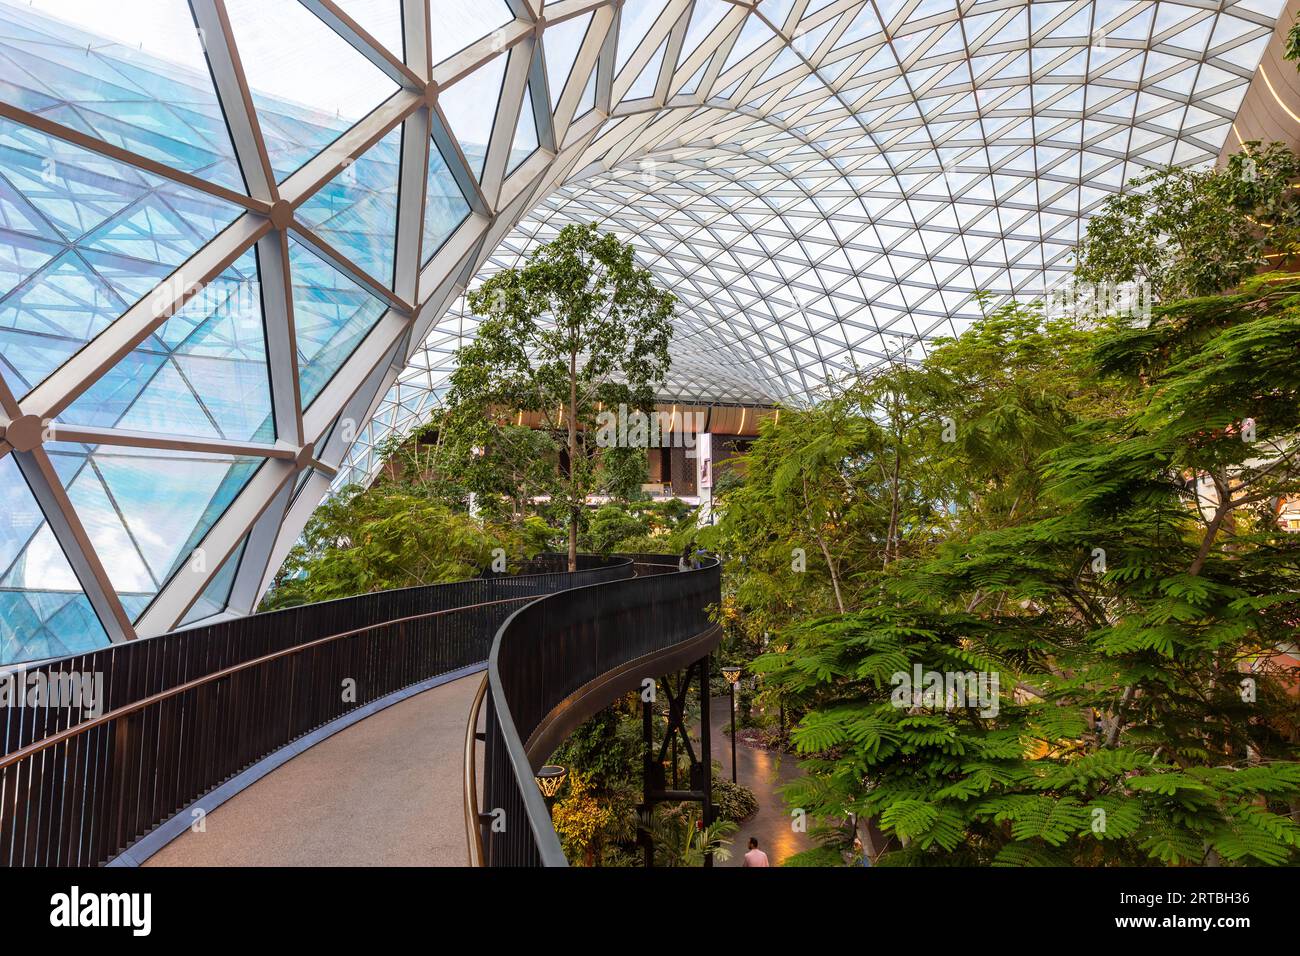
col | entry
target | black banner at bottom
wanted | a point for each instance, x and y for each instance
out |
(228, 907)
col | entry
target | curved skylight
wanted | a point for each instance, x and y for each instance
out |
(237, 235)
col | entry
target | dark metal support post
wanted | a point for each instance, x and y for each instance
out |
(733, 732)
(706, 750)
(646, 810)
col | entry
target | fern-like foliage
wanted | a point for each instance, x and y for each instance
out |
(1130, 617)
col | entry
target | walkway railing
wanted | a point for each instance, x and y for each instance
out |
(182, 713)
(555, 662)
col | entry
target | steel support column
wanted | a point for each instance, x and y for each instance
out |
(655, 788)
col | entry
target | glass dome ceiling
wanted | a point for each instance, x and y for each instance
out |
(236, 233)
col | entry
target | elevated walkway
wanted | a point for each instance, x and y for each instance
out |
(335, 734)
(384, 792)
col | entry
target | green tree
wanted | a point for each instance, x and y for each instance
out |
(888, 466)
(611, 524)
(605, 751)
(389, 536)
(1192, 232)
(501, 471)
(1131, 612)
(579, 327)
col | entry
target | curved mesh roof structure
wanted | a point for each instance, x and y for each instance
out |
(236, 233)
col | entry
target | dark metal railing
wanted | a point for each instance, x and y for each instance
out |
(547, 655)
(182, 713)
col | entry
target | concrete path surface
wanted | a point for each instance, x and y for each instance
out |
(384, 792)
(762, 771)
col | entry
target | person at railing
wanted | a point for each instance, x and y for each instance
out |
(693, 558)
(755, 856)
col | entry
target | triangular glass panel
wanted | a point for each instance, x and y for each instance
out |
(145, 90)
(382, 19)
(645, 84)
(752, 35)
(332, 314)
(458, 23)
(587, 102)
(470, 106)
(561, 43)
(145, 509)
(635, 21)
(693, 84)
(777, 10)
(445, 207)
(216, 595)
(705, 15)
(309, 85)
(526, 136)
(43, 610)
(356, 211)
(119, 231)
(203, 373)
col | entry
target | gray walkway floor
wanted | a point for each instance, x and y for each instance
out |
(762, 771)
(384, 792)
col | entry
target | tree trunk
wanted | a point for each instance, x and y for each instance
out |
(573, 462)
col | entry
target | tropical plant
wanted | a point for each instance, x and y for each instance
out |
(1129, 609)
(733, 801)
(580, 819)
(1191, 232)
(605, 753)
(388, 536)
(679, 839)
(579, 327)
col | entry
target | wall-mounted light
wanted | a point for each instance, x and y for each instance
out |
(549, 780)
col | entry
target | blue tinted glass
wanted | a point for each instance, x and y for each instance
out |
(145, 510)
(308, 84)
(47, 320)
(165, 110)
(43, 611)
(445, 207)
(470, 106)
(561, 43)
(217, 593)
(332, 314)
(202, 373)
(119, 230)
(356, 212)
(525, 141)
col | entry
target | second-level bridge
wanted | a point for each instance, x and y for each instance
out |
(395, 728)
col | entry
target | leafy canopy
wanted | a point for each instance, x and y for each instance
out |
(578, 328)
(1111, 553)
(1192, 232)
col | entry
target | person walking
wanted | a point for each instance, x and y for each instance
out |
(755, 856)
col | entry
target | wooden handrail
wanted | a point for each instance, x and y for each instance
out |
(473, 825)
(119, 712)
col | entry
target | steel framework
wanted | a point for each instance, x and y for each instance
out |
(222, 287)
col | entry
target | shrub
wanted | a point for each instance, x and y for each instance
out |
(733, 801)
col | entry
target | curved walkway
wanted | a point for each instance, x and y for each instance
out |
(384, 792)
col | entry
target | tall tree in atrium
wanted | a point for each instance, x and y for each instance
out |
(1130, 598)
(1188, 232)
(577, 329)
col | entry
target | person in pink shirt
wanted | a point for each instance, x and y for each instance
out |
(755, 856)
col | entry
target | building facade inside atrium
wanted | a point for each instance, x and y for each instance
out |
(236, 235)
